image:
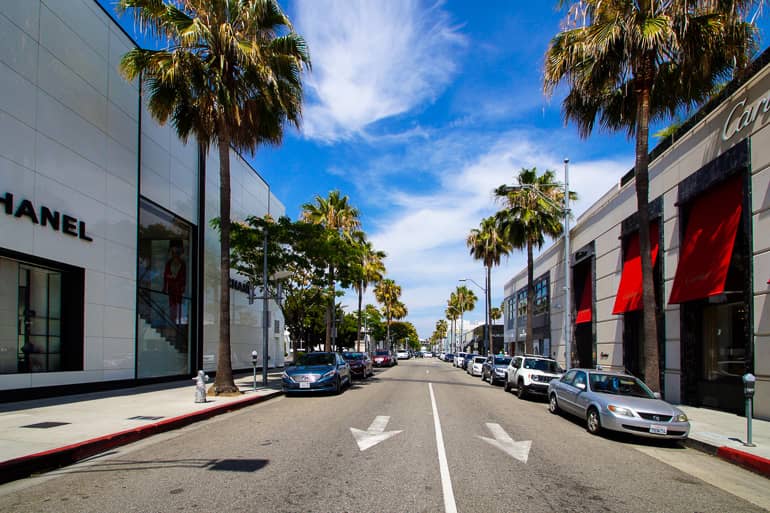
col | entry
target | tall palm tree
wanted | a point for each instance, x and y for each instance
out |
(440, 332)
(627, 62)
(531, 213)
(465, 302)
(495, 314)
(488, 244)
(371, 269)
(387, 294)
(336, 214)
(452, 314)
(230, 76)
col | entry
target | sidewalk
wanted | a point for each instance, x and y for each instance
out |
(45, 434)
(49, 433)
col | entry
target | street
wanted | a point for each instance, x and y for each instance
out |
(299, 454)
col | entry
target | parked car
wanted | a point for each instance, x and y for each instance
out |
(495, 369)
(403, 354)
(467, 358)
(475, 366)
(384, 358)
(616, 401)
(449, 357)
(457, 362)
(530, 374)
(360, 364)
(316, 372)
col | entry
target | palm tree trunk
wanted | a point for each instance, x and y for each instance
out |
(528, 343)
(360, 300)
(329, 312)
(642, 181)
(490, 349)
(224, 384)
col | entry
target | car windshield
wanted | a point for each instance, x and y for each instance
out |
(353, 356)
(479, 359)
(541, 365)
(619, 385)
(316, 359)
(502, 361)
(381, 353)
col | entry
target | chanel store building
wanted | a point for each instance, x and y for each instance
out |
(108, 263)
(710, 242)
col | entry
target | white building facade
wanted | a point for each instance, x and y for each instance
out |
(108, 262)
(710, 236)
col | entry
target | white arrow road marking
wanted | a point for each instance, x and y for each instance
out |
(375, 434)
(504, 442)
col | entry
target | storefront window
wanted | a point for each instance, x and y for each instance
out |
(164, 293)
(38, 331)
(724, 347)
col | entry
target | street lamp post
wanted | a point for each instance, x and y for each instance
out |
(565, 210)
(487, 329)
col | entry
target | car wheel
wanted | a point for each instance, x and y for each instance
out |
(338, 386)
(553, 405)
(593, 423)
(491, 380)
(521, 390)
(507, 386)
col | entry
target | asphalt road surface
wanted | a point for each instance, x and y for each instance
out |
(427, 438)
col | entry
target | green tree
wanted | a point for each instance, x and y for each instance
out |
(531, 212)
(464, 301)
(488, 244)
(452, 314)
(387, 294)
(628, 62)
(495, 314)
(230, 76)
(335, 214)
(368, 269)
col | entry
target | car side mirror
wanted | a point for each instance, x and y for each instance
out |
(581, 386)
(656, 395)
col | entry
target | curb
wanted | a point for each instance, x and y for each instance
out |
(25, 466)
(743, 459)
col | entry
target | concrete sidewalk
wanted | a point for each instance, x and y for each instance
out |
(39, 435)
(50, 433)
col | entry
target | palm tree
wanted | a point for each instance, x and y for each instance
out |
(440, 332)
(370, 270)
(495, 314)
(230, 76)
(488, 244)
(465, 302)
(531, 213)
(336, 214)
(627, 62)
(387, 294)
(452, 314)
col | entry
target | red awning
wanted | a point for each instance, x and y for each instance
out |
(584, 307)
(707, 248)
(629, 297)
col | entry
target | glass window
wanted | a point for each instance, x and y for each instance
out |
(39, 331)
(316, 359)
(580, 379)
(569, 377)
(164, 293)
(619, 385)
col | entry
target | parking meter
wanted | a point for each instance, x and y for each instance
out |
(254, 364)
(749, 384)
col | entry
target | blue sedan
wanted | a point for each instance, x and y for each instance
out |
(317, 372)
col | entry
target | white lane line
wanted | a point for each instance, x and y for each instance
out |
(446, 480)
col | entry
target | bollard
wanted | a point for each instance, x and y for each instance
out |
(200, 387)
(749, 382)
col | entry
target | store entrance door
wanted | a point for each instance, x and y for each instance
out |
(39, 319)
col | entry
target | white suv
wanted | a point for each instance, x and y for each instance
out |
(530, 374)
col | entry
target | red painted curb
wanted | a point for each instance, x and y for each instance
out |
(25, 466)
(752, 462)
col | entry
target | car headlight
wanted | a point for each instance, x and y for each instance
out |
(286, 376)
(619, 410)
(329, 374)
(680, 417)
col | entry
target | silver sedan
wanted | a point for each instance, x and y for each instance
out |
(618, 402)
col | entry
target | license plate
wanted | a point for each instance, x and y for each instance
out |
(658, 430)
(304, 385)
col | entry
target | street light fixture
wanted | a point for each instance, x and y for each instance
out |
(565, 211)
(487, 329)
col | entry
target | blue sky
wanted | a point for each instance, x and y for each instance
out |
(417, 110)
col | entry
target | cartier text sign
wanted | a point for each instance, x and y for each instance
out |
(44, 216)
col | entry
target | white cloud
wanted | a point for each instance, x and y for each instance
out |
(372, 60)
(424, 234)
